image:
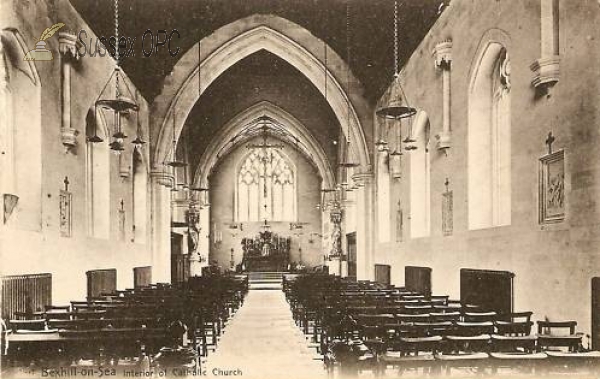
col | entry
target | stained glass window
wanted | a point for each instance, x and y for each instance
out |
(266, 187)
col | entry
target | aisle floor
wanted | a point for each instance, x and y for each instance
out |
(262, 341)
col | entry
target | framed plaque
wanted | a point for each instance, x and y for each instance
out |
(447, 213)
(65, 213)
(552, 188)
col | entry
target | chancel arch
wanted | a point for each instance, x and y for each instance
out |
(220, 146)
(232, 43)
(489, 134)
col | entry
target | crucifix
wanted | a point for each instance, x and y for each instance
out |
(66, 181)
(447, 183)
(549, 142)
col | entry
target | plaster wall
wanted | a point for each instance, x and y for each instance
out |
(27, 250)
(553, 264)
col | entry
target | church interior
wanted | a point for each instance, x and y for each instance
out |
(308, 188)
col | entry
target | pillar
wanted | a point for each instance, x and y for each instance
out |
(443, 62)
(68, 52)
(364, 226)
(161, 225)
(546, 69)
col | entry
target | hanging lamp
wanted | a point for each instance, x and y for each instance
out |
(396, 108)
(119, 104)
(174, 162)
(95, 138)
(138, 141)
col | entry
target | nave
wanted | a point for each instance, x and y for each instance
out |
(420, 176)
(262, 341)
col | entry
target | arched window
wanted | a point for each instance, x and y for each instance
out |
(98, 177)
(489, 140)
(383, 196)
(420, 171)
(140, 188)
(266, 187)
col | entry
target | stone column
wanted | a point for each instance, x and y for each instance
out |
(364, 226)
(443, 62)
(160, 231)
(546, 69)
(67, 46)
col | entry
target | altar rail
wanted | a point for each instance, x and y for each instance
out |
(25, 294)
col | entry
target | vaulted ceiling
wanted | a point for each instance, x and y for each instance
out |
(371, 30)
(263, 76)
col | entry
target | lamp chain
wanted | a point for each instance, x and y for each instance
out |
(348, 58)
(395, 38)
(117, 45)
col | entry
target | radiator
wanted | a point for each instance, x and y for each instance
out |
(25, 293)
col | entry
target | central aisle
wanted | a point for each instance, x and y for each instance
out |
(262, 341)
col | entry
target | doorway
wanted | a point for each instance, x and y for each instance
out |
(180, 266)
(351, 247)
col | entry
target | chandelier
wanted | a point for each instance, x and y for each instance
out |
(396, 108)
(120, 104)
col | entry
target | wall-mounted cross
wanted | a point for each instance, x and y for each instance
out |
(66, 181)
(122, 205)
(447, 183)
(549, 142)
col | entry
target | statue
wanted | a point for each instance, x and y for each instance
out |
(336, 235)
(194, 256)
(193, 231)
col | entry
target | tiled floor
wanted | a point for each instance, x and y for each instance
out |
(262, 341)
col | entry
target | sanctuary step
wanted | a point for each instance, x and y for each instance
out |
(265, 280)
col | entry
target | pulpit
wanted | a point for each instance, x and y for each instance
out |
(266, 252)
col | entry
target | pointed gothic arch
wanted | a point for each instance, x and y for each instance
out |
(312, 150)
(489, 134)
(195, 71)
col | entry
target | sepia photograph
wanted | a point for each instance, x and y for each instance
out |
(300, 189)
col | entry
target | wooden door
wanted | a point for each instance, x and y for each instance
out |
(351, 247)
(179, 262)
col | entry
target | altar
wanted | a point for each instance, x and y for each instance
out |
(266, 252)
